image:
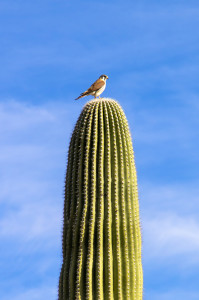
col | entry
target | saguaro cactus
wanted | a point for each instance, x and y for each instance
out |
(101, 232)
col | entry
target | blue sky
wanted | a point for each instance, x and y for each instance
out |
(50, 52)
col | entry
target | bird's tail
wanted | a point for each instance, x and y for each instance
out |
(81, 96)
(86, 93)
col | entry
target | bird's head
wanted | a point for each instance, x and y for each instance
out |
(104, 77)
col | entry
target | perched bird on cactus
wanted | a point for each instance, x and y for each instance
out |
(96, 89)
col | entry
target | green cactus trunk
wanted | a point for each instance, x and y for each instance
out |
(101, 234)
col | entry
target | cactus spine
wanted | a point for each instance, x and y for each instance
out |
(101, 233)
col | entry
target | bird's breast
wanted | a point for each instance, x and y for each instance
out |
(100, 90)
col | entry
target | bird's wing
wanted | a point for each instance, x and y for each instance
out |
(93, 88)
(96, 85)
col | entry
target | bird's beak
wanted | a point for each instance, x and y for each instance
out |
(107, 77)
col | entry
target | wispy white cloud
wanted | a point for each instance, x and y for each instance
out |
(181, 197)
(34, 141)
(31, 139)
(42, 292)
(33, 221)
(170, 231)
(172, 294)
(16, 115)
(169, 235)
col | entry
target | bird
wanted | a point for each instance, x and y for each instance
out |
(96, 88)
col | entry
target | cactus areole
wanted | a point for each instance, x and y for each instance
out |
(101, 231)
